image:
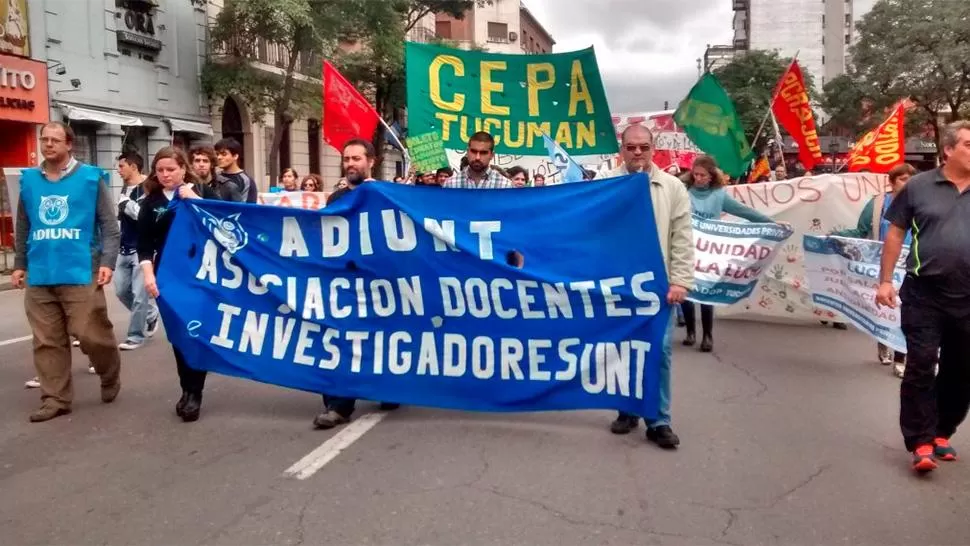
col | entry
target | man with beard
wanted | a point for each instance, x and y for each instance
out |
(478, 175)
(672, 212)
(358, 164)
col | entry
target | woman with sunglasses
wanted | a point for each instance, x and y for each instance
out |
(311, 182)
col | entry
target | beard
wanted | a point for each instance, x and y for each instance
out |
(354, 177)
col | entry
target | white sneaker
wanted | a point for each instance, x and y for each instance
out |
(129, 346)
(76, 343)
(92, 371)
(32, 384)
(899, 368)
(152, 327)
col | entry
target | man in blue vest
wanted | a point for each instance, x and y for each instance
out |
(67, 246)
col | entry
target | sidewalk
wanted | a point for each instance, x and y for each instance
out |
(6, 267)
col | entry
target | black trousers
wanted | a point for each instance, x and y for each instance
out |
(192, 380)
(933, 405)
(343, 406)
(707, 318)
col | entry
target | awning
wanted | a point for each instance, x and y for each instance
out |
(76, 113)
(190, 126)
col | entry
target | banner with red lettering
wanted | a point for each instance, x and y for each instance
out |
(816, 205)
(670, 143)
(794, 112)
(346, 113)
(310, 200)
(882, 148)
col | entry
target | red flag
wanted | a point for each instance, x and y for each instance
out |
(761, 168)
(794, 113)
(882, 148)
(346, 113)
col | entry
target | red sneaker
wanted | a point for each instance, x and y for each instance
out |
(923, 459)
(943, 451)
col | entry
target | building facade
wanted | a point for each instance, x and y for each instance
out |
(23, 88)
(503, 26)
(123, 73)
(819, 31)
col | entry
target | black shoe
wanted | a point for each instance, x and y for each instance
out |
(192, 407)
(329, 419)
(624, 424)
(389, 406)
(690, 340)
(681, 322)
(663, 436)
(707, 344)
(180, 405)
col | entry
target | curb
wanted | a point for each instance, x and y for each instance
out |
(6, 285)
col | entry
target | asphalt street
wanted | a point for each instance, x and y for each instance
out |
(789, 437)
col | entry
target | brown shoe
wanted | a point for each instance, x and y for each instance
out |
(108, 394)
(46, 413)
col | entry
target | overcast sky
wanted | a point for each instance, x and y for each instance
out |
(647, 50)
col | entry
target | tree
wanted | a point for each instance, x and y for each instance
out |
(376, 67)
(750, 80)
(917, 49)
(301, 29)
(850, 104)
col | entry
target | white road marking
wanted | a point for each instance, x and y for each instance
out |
(328, 451)
(15, 340)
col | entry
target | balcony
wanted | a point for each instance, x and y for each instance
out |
(267, 53)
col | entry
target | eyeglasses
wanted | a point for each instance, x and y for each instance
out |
(637, 148)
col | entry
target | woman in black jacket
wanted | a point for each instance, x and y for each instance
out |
(170, 174)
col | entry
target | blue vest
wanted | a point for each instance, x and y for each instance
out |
(884, 224)
(62, 218)
(707, 203)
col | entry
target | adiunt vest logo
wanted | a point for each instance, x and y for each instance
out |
(53, 209)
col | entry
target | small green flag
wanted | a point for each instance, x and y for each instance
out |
(708, 117)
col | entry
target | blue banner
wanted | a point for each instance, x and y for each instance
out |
(488, 300)
(730, 257)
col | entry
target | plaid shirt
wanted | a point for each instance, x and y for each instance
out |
(493, 181)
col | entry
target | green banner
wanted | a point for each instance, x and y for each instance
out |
(516, 98)
(708, 117)
(427, 152)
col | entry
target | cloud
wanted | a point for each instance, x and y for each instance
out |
(647, 50)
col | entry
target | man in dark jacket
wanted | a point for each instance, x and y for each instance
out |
(203, 160)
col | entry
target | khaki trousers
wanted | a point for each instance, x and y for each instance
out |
(54, 314)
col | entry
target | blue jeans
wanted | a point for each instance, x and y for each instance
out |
(663, 412)
(130, 289)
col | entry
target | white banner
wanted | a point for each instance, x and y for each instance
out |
(844, 276)
(815, 205)
(730, 257)
(312, 200)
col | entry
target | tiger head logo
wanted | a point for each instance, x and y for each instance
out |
(53, 209)
(228, 232)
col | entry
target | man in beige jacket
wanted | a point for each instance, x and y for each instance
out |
(671, 209)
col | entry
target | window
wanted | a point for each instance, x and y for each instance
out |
(823, 21)
(823, 59)
(848, 39)
(313, 144)
(848, 19)
(443, 29)
(498, 32)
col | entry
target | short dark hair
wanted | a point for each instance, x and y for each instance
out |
(68, 132)
(445, 171)
(539, 175)
(900, 170)
(229, 144)
(514, 170)
(483, 136)
(368, 147)
(132, 157)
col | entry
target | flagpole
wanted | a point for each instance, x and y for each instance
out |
(774, 96)
(404, 151)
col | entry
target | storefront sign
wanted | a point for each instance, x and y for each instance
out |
(23, 90)
(14, 30)
(139, 20)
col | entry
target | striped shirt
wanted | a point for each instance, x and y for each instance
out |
(493, 181)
